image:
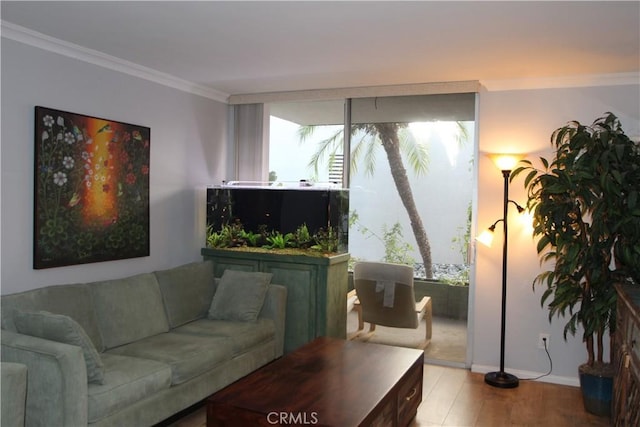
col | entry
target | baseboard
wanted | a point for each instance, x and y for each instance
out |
(447, 363)
(529, 375)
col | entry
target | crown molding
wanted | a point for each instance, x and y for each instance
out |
(617, 79)
(71, 50)
(467, 86)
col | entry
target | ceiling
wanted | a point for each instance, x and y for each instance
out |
(244, 47)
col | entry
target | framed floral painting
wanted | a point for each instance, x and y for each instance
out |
(91, 189)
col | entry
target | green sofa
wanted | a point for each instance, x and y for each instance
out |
(136, 350)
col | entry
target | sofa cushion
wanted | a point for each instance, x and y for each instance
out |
(60, 328)
(187, 291)
(187, 355)
(240, 296)
(243, 335)
(127, 380)
(70, 300)
(128, 309)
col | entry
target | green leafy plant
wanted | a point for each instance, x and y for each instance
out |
(396, 250)
(462, 240)
(229, 236)
(216, 239)
(460, 278)
(234, 234)
(326, 240)
(250, 238)
(277, 240)
(586, 208)
(302, 238)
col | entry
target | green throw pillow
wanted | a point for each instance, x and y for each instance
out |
(60, 328)
(240, 296)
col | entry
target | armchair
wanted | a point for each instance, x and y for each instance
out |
(386, 297)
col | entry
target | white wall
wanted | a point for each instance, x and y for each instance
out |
(522, 121)
(188, 151)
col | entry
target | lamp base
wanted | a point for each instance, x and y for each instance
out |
(501, 379)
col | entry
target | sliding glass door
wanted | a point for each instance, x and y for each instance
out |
(408, 162)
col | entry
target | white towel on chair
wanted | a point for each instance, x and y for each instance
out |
(389, 288)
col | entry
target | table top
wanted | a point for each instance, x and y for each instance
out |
(336, 381)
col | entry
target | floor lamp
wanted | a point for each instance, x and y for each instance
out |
(506, 163)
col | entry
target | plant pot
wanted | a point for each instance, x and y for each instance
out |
(597, 389)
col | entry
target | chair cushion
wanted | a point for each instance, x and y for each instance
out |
(60, 328)
(187, 355)
(243, 335)
(127, 380)
(240, 296)
(187, 291)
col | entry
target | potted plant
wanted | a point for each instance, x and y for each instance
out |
(586, 208)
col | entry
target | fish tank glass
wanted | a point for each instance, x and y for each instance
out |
(282, 208)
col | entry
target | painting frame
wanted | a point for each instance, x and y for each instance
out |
(91, 189)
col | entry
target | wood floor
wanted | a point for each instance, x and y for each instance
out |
(459, 398)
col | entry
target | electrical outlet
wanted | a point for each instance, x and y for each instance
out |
(541, 341)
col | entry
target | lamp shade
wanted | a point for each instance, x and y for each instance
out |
(486, 238)
(505, 161)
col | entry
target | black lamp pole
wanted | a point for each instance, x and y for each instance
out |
(502, 379)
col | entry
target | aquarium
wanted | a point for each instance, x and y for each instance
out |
(280, 208)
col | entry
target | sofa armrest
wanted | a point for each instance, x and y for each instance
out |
(56, 379)
(275, 308)
(13, 379)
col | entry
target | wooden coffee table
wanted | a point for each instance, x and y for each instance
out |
(327, 382)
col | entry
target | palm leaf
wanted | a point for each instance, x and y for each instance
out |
(417, 154)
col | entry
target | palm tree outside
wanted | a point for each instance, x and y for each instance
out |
(427, 136)
(391, 138)
(398, 145)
